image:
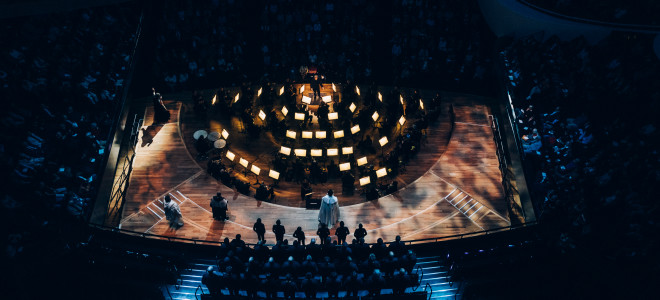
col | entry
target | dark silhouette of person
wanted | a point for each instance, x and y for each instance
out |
(279, 231)
(360, 232)
(316, 86)
(300, 235)
(341, 232)
(260, 229)
(323, 232)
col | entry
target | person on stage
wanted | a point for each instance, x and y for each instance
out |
(219, 207)
(161, 114)
(316, 86)
(329, 212)
(260, 229)
(172, 212)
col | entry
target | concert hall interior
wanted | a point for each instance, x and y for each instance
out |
(395, 149)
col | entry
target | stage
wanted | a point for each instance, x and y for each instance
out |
(452, 186)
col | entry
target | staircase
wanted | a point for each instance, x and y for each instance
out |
(435, 274)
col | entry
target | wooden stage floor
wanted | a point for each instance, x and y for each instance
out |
(454, 186)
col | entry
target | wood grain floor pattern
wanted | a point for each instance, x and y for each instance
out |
(460, 193)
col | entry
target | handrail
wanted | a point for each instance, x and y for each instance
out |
(612, 25)
(199, 287)
(430, 288)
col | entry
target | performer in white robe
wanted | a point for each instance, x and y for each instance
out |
(172, 212)
(329, 212)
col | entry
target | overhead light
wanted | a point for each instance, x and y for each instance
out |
(238, 96)
(262, 115)
(243, 162)
(299, 116)
(259, 91)
(344, 167)
(365, 180)
(302, 88)
(300, 152)
(380, 97)
(306, 100)
(333, 116)
(334, 88)
(355, 129)
(352, 107)
(381, 172)
(230, 155)
(402, 120)
(256, 170)
(214, 98)
(362, 161)
(274, 174)
(383, 141)
(320, 134)
(307, 134)
(225, 134)
(285, 150)
(316, 152)
(291, 134)
(332, 152)
(346, 150)
(327, 99)
(281, 91)
(339, 134)
(284, 110)
(375, 116)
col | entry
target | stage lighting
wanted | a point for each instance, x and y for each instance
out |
(352, 107)
(421, 104)
(333, 116)
(365, 180)
(357, 90)
(339, 134)
(284, 110)
(238, 96)
(302, 88)
(355, 129)
(346, 150)
(215, 97)
(333, 152)
(306, 100)
(281, 91)
(300, 152)
(259, 92)
(320, 134)
(230, 155)
(299, 116)
(381, 172)
(383, 141)
(402, 120)
(291, 134)
(285, 150)
(401, 99)
(274, 174)
(262, 115)
(256, 170)
(380, 97)
(362, 161)
(316, 152)
(344, 167)
(307, 134)
(326, 99)
(243, 162)
(225, 134)
(375, 116)
(334, 88)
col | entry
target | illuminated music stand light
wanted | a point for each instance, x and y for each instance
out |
(383, 141)
(306, 100)
(291, 134)
(299, 116)
(352, 107)
(334, 88)
(357, 90)
(302, 88)
(316, 152)
(402, 120)
(362, 161)
(243, 162)
(307, 134)
(380, 97)
(284, 110)
(355, 129)
(327, 99)
(333, 116)
(262, 115)
(346, 150)
(281, 91)
(230, 155)
(401, 99)
(238, 96)
(381, 172)
(215, 97)
(259, 92)
(274, 174)
(421, 104)
(225, 134)
(256, 170)
(285, 150)
(320, 134)
(339, 134)
(333, 152)
(365, 180)
(375, 116)
(344, 167)
(300, 152)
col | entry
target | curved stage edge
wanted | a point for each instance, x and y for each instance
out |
(460, 193)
